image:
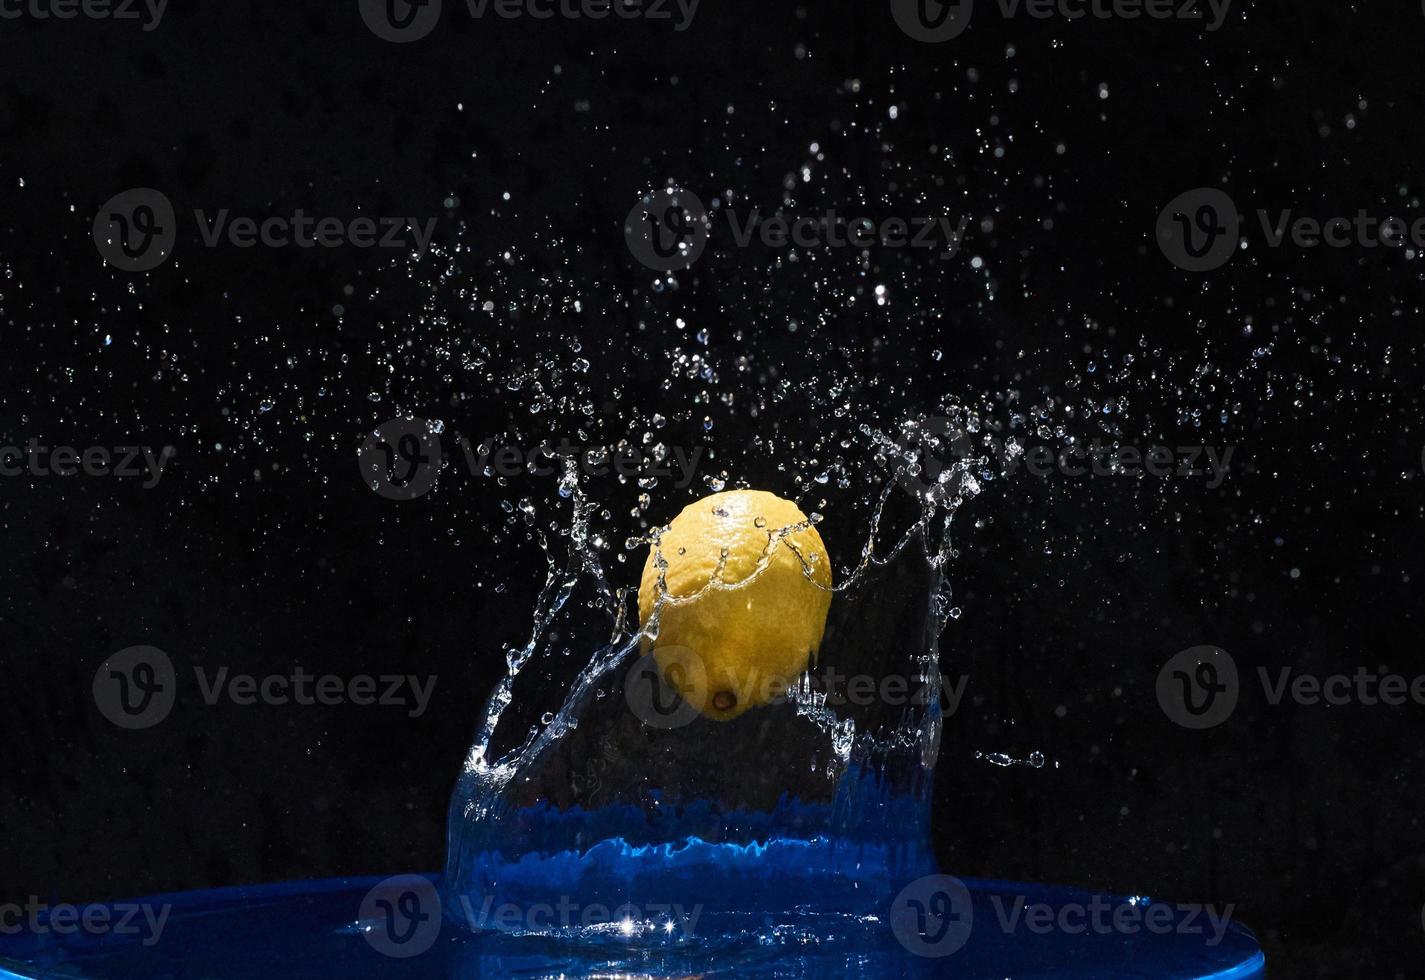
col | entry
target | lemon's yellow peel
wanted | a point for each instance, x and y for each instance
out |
(747, 587)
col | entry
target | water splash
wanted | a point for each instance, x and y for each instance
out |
(821, 797)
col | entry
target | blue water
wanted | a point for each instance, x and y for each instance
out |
(847, 857)
(316, 929)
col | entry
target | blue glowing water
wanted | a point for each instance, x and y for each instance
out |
(840, 859)
(306, 930)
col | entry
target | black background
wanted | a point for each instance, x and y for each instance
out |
(529, 141)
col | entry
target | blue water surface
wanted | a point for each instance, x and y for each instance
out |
(355, 928)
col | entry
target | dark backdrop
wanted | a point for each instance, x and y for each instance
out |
(528, 141)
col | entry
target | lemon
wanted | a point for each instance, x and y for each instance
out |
(748, 588)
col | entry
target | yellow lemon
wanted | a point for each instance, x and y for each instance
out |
(748, 588)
